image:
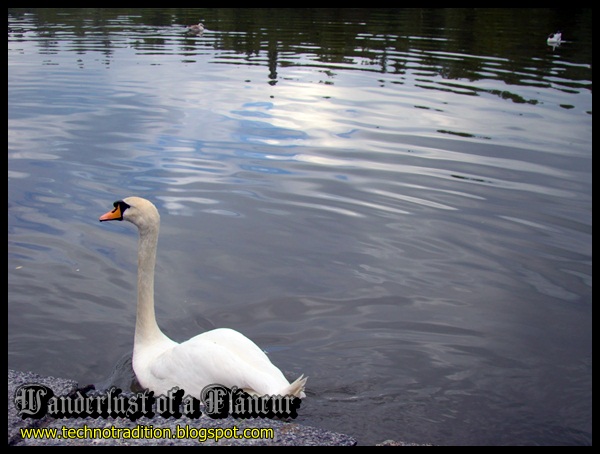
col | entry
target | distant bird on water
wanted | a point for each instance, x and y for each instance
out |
(554, 38)
(196, 28)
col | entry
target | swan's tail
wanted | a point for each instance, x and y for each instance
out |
(296, 388)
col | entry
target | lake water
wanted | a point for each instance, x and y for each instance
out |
(396, 203)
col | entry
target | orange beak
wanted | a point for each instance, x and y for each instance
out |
(114, 215)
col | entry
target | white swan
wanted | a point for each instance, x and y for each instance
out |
(221, 356)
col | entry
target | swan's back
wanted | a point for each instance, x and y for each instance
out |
(222, 356)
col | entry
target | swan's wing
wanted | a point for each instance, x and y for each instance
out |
(221, 356)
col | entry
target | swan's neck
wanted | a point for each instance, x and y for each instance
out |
(146, 328)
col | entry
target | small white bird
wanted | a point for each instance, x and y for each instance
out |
(554, 38)
(221, 356)
(196, 28)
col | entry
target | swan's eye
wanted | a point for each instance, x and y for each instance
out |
(119, 204)
(117, 213)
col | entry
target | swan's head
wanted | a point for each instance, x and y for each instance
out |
(138, 211)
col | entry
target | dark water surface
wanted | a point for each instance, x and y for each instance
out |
(396, 203)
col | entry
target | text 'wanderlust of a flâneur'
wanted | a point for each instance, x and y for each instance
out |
(216, 401)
